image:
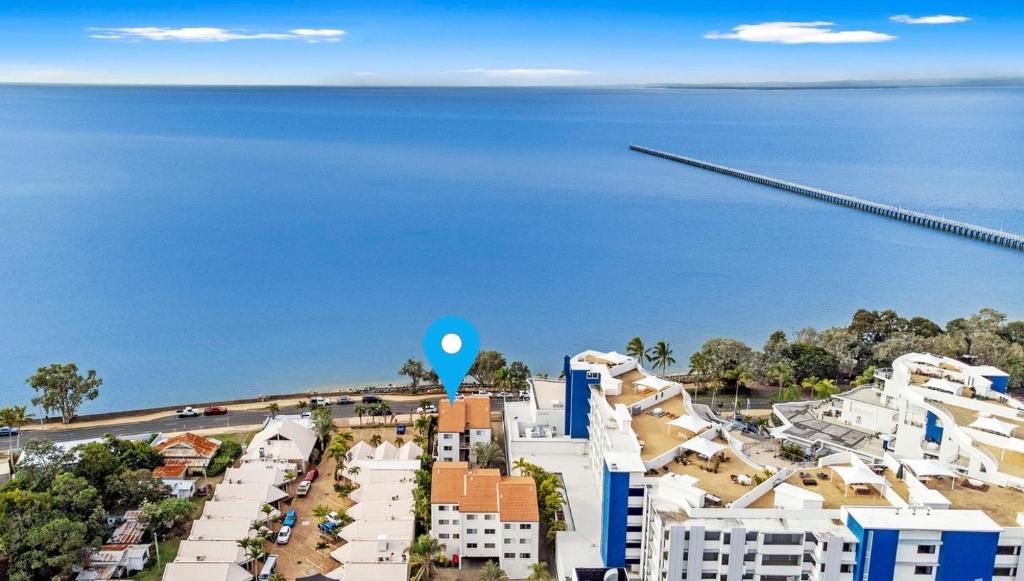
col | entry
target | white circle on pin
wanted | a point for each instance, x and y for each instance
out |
(451, 343)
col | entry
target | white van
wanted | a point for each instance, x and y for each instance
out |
(268, 568)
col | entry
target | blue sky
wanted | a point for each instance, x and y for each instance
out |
(498, 43)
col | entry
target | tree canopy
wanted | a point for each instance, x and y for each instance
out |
(61, 388)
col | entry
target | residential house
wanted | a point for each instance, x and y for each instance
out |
(188, 449)
(461, 425)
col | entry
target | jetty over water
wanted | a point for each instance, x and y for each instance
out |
(992, 236)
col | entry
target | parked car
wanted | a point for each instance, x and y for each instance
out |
(506, 395)
(344, 400)
(268, 568)
(189, 412)
(482, 392)
(372, 399)
(311, 475)
(203, 490)
(524, 394)
(290, 517)
(303, 488)
(427, 409)
(215, 410)
(306, 415)
(5, 431)
(318, 401)
(400, 429)
(334, 518)
(329, 528)
(284, 535)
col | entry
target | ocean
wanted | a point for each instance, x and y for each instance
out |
(193, 244)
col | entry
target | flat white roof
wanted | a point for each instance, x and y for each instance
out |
(205, 572)
(210, 552)
(923, 519)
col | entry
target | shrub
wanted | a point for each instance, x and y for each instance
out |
(227, 454)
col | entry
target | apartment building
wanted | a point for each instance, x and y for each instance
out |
(683, 494)
(461, 426)
(480, 514)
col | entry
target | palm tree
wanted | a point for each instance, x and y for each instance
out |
(14, 416)
(492, 572)
(488, 454)
(361, 410)
(376, 440)
(501, 378)
(277, 577)
(790, 392)
(273, 408)
(320, 511)
(782, 372)
(384, 409)
(323, 424)
(253, 547)
(661, 356)
(636, 349)
(824, 389)
(399, 441)
(423, 554)
(302, 405)
(353, 471)
(539, 572)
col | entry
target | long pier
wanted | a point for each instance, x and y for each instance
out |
(992, 236)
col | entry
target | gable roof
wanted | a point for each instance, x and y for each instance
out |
(484, 490)
(198, 445)
(172, 471)
(471, 412)
(264, 492)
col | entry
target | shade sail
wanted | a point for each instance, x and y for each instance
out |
(703, 446)
(943, 385)
(858, 474)
(928, 468)
(652, 382)
(994, 425)
(690, 423)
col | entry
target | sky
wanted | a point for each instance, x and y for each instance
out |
(527, 42)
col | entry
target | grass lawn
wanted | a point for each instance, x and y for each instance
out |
(168, 550)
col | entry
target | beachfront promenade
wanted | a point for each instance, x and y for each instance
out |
(1007, 239)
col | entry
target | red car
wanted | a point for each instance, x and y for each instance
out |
(311, 475)
(215, 410)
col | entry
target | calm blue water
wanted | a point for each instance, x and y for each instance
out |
(201, 243)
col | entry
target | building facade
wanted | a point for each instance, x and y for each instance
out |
(461, 426)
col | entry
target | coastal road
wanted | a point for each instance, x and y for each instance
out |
(175, 424)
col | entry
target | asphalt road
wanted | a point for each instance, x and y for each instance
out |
(175, 424)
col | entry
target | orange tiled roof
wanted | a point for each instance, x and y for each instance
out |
(478, 411)
(484, 490)
(203, 447)
(517, 499)
(470, 412)
(171, 471)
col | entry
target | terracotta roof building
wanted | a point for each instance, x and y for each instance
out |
(189, 450)
(461, 425)
(479, 513)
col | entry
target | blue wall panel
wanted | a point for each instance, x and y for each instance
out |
(876, 552)
(932, 429)
(967, 556)
(613, 518)
(999, 382)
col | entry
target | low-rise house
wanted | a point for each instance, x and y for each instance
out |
(130, 531)
(188, 449)
(211, 552)
(283, 441)
(174, 477)
(478, 513)
(236, 509)
(264, 493)
(261, 473)
(462, 425)
(113, 561)
(205, 572)
(221, 530)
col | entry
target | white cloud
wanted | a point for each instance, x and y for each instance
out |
(525, 73)
(817, 32)
(937, 19)
(213, 34)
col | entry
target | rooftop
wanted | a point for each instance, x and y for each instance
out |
(198, 445)
(173, 471)
(655, 435)
(809, 427)
(1001, 504)
(719, 484)
(906, 518)
(834, 492)
(472, 412)
(548, 391)
(484, 490)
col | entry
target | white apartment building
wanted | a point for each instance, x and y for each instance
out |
(480, 514)
(461, 426)
(710, 501)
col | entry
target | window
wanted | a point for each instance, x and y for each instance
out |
(727, 538)
(926, 549)
(470, 517)
(510, 555)
(442, 521)
(846, 568)
(447, 448)
(1008, 550)
(752, 535)
(636, 492)
(780, 560)
(442, 536)
(525, 527)
(847, 547)
(711, 575)
(488, 545)
(524, 541)
(489, 531)
(783, 539)
(710, 555)
(524, 555)
(712, 535)
(634, 528)
(923, 570)
(470, 545)
(470, 531)
(1004, 572)
(635, 510)
(632, 544)
(508, 541)
(508, 526)
(442, 507)
(488, 517)
(455, 535)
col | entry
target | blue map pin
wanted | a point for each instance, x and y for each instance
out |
(451, 345)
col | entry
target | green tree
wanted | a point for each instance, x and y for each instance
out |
(361, 411)
(661, 356)
(61, 388)
(423, 555)
(539, 572)
(40, 463)
(923, 327)
(484, 366)
(14, 416)
(501, 378)
(492, 572)
(273, 408)
(720, 355)
(488, 454)
(414, 370)
(811, 360)
(376, 440)
(636, 349)
(323, 424)
(518, 374)
(131, 488)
